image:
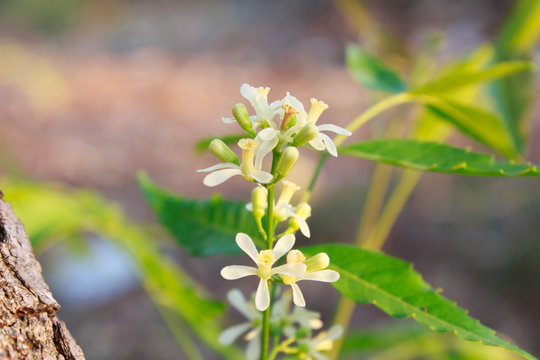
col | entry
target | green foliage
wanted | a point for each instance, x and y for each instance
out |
(52, 212)
(485, 127)
(202, 145)
(393, 286)
(461, 79)
(203, 227)
(410, 341)
(429, 156)
(513, 96)
(371, 72)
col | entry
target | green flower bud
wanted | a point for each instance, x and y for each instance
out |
(223, 152)
(258, 201)
(317, 262)
(241, 115)
(308, 133)
(287, 161)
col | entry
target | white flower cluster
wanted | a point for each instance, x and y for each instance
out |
(280, 128)
(296, 128)
(297, 268)
(296, 324)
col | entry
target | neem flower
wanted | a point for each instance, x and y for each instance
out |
(264, 260)
(248, 169)
(315, 270)
(310, 348)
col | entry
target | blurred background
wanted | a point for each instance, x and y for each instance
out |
(93, 91)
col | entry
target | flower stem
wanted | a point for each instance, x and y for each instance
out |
(265, 335)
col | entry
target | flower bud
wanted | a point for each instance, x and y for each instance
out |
(241, 115)
(295, 257)
(308, 133)
(258, 201)
(317, 262)
(287, 161)
(223, 152)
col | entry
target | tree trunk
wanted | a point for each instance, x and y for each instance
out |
(29, 328)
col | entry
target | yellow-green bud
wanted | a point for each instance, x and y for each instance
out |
(223, 152)
(317, 262)
(308, 133)
(287, 161)
(258, 201)
(241, 115)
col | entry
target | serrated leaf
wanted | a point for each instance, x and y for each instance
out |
(371, 72)
(429, 156)
(393, 286)
(202, 145)
(454, 80)
(203, 227)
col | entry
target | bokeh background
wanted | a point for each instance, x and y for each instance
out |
(93, 91)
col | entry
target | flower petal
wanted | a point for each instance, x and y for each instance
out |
(321, 275)
(298, 298)
(262, 176)
(317, 143)
(234, 272)
(334, 128)
(334, 333)
(217, 177)
(239, 302)
(283, 245)
(266, 147)
(262, 297)
(219, 167)
(229, 335)
(304, 228)
(267, 134)
(318, 356)
(246, 244)
(227, 120)
(296, 270)
(330, 146)
(253, 349)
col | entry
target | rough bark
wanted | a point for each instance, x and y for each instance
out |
(29, 327)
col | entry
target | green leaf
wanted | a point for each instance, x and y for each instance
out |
(393, 286)
(371, 72)
(458, 80)
(483, 126)
(512, 97)
(429, 156)
(202, 145)
(521, 30)
(203, 227)
(51, 212)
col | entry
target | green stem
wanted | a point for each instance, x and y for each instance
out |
(265, 335)
(373, 111)
(393, 208)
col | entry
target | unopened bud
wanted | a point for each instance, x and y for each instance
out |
(317, 262)
(295, 257)
(241, 115)
(287, 161)
(308, 133)
(223, 152)
(258, 201)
